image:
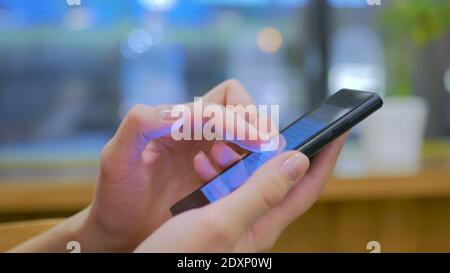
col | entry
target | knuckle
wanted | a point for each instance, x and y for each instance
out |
(135, 117)
(105, 157)
(106, 151)
(266, 245)
(233, 85)
(276, 188)
(233, 82)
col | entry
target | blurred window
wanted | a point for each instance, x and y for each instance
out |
(70, 72)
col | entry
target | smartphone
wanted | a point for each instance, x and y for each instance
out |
(308, 134)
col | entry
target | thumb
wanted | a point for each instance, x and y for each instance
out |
(141, 124)
(264, 190)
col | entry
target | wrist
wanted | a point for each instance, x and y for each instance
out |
(94, 236)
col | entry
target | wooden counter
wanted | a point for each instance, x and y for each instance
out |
(48, 196)
(403, 213)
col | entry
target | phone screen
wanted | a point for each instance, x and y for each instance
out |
(293, 137)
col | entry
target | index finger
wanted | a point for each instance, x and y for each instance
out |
(231, 92)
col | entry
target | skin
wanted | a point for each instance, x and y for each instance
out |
(143, 172)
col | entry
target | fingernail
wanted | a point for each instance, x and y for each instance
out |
(271, 145)
(293, 166)
(171, 113)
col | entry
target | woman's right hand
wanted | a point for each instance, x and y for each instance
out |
(251, 218)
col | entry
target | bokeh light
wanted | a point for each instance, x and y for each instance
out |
(269, 40)
(158, 5)
(140, 40)
(447, 80)
(79, 19)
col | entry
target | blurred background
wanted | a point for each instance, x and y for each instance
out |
(70, 70)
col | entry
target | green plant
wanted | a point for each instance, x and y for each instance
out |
(409, 25)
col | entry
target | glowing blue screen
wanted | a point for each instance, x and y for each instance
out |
(294, 136)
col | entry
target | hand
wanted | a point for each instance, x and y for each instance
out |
(144, 171)
(251, 218)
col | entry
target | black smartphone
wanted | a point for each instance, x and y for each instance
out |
(308, 134)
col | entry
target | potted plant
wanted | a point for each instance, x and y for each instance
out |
(392, 138)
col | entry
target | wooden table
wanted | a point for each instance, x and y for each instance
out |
(48, 196)
(405, 213)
